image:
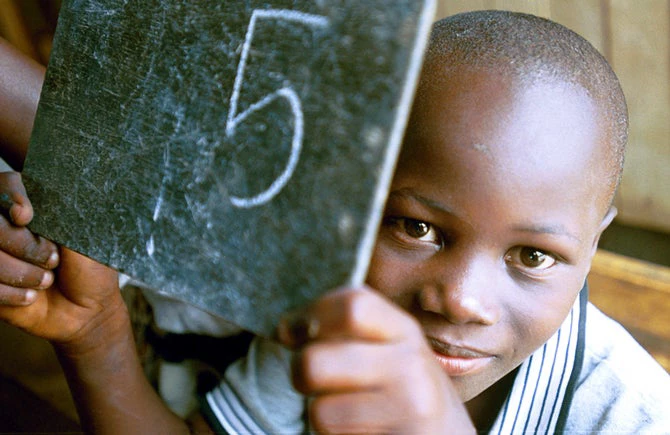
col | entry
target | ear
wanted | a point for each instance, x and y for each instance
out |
(607, 220)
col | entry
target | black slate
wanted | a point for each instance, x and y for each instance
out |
(243, 199)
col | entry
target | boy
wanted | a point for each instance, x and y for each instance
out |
(477, 320)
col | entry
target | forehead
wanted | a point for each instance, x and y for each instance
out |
(486, 132)
(469, 105)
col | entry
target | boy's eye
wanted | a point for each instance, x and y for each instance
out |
(416, 230)
(531, 258)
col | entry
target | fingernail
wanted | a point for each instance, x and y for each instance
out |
(53, 260)
(30, 297)
(47, 280)
(297, 329)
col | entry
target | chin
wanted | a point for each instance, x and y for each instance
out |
(472, 386)
(468, 388)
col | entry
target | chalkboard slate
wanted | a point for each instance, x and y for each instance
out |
(235, 155)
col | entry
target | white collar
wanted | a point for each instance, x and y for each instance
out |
(542, 390)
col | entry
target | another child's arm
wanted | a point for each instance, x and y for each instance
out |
(86, 320)
(20, 85)
(368, 369)
(26, 261)
(82, 314)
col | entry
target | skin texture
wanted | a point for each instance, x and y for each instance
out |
(494, 214)
(507, 179)
(367, 368)
(20, 84)
(487, 238)
(64, 297)
(26, 261)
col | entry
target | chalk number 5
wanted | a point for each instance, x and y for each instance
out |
(287, 92)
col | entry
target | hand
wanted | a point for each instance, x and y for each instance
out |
(84, 294)
(26, 260)
(368, 369)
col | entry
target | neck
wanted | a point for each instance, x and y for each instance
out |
(484, 408)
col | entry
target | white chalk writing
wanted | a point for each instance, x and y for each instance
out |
(287, 92)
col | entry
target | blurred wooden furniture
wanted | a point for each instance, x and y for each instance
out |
(31, 364)
(22, 411)
(14, 28)
(635, 39)
(637, 295)
(29, 25)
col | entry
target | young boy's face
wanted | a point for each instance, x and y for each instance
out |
(494, 212)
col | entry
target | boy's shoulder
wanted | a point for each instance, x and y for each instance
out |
(621, 387)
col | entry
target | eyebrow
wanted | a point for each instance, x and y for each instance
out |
(409, 193)
(555, 230)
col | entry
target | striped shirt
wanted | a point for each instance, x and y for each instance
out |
(544, 384)
(256, 396)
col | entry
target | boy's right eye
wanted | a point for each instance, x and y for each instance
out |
(414, 230)
(417, 229)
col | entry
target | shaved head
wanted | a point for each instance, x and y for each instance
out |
(531, 50)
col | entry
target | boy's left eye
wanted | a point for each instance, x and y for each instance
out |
(531, 258)
(414, 230)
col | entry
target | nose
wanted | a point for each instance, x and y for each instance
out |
(462, 292)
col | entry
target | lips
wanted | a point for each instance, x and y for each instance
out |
(459, 361)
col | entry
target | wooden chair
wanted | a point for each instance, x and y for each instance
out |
(29, 25)
(636, 294)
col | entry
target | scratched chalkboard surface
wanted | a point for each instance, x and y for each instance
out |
(232, 154)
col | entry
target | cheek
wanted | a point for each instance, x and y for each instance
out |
(533, 328)
(389, 275)
(537, 317)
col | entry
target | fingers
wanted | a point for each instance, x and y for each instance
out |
(25, 263)
(328, 367)
(380, 412)
(349, 412)
(18, 278)
(340, 366)
(16, 297)
(367, 368)
(22, 244)
(15, 239)
(348, 313)
(18, 273)
(370, 387)
(349, 339)
(14, 199)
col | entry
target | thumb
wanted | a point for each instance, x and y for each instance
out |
(85, 281)
(14, 198)
(21, 211)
